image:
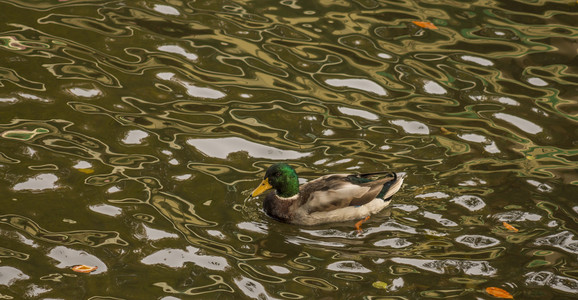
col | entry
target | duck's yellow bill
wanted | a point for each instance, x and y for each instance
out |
(262, 188)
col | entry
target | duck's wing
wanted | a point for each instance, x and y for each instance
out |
(387, 186)
(341, 190)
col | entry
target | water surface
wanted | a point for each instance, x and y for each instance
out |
(131, 134)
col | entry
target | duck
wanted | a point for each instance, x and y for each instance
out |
(328, 199)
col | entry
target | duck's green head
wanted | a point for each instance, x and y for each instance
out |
(280, 177)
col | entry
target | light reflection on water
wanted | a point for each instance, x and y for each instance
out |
(132, 134)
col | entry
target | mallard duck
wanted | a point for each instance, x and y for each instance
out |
(331, 198)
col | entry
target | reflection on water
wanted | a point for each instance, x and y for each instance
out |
(131, 135)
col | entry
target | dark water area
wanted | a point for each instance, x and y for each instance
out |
(133, 132)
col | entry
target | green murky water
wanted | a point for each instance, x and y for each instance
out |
(132, 133)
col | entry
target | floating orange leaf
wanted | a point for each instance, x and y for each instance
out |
(428, 25)
(498, 292)
(445, 131)
(510, 227)
(83, 269)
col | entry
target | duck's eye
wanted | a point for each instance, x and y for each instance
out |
(277, 174)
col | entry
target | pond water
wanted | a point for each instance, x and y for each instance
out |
(132, 133)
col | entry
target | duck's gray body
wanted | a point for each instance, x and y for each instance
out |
(333, 198)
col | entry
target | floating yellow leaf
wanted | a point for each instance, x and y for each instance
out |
(428, 25)
(445, 131)
(380, 285)
(83, 268)
(86, 171)
(510, 227)
(498, 292)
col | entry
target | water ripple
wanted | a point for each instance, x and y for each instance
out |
(130, 134)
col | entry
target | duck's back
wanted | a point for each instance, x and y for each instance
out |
(331, 192)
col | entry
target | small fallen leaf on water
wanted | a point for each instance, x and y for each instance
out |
(83, 268)
(445, 131)
(86, 171)
(428, 25)
(498, 292)
(379, 285)
(510, 227)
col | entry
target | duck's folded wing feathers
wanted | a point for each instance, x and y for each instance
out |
(336, 191)
(378, 188)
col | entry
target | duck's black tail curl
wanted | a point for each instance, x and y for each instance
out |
(391, 187)
(392, 174)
